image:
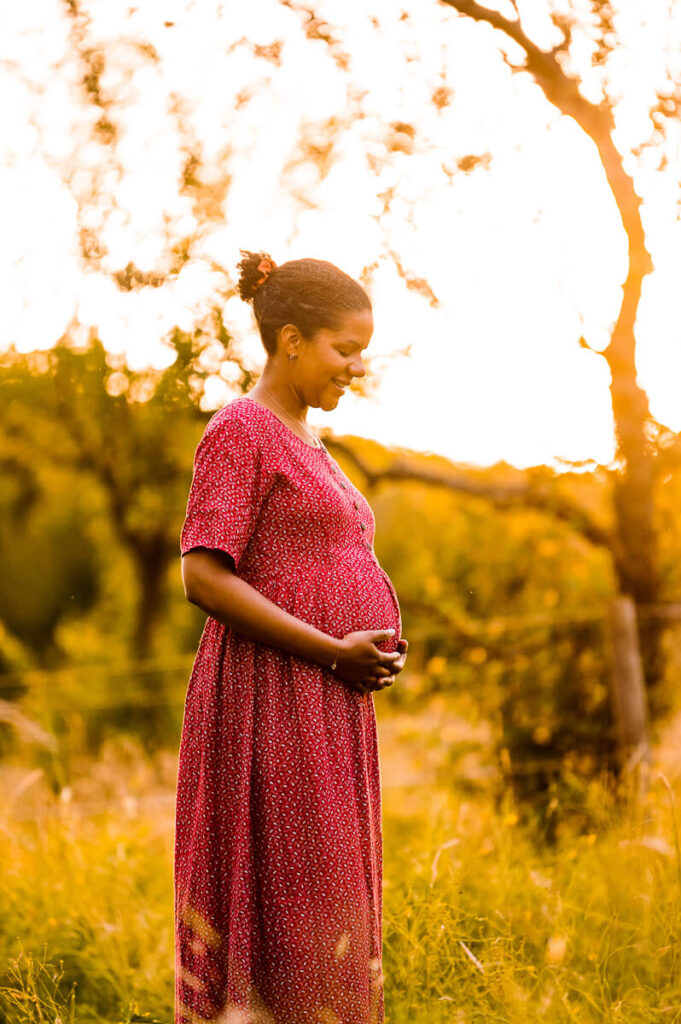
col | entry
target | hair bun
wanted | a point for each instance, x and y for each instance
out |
(254, 268)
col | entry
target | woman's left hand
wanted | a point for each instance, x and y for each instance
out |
(398, 664)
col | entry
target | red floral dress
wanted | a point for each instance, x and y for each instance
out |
(278, 858)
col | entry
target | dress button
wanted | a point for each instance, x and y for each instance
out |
(363, 526)
(356, 504)
(344, 486)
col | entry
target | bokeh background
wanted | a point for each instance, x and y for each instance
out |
(504, 180)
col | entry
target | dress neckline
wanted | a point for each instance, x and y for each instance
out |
(255, 401)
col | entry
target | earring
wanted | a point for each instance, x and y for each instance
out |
(291, 357)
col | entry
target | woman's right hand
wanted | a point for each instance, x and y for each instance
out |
(361, 665)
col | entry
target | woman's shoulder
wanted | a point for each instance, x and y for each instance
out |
(241, 423)
(238, 415)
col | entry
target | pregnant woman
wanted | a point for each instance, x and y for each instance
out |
(278, 856)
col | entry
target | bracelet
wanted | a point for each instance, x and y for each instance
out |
(335, 660)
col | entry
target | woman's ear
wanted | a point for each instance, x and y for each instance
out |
(289, 339)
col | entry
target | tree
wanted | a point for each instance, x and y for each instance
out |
(633, 540)
(130, 433)
(108, 70)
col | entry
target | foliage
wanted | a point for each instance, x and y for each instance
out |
(96, 453)
(504, 612)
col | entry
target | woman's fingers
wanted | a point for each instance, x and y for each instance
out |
(385, 673)
(373, 684)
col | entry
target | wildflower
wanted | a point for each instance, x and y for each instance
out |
(555, 949)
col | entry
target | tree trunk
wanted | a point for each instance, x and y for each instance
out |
(628, 697)
(150, 573)
(636, 556)
(634, 537)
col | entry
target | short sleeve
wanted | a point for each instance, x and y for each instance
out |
(226, 491)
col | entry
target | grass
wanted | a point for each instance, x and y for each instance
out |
(502, 931)
(481, 922)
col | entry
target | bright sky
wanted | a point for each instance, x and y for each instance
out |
(524, 254)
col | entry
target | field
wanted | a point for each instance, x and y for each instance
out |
(483, 921)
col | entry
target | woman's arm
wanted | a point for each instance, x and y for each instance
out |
(210, 583)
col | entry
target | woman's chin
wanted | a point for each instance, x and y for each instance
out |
(329, 399)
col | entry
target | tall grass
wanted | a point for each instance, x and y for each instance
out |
(482, 922)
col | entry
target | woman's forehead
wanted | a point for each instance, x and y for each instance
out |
(360, 323)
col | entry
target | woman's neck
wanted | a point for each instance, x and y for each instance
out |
(269, 389)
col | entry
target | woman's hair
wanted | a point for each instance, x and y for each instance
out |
(312, 294)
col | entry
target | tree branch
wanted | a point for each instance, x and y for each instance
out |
(526, 495)
(596, 120)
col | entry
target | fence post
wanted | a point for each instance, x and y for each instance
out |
(628, 695)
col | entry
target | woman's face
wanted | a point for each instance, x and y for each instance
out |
(332, 356)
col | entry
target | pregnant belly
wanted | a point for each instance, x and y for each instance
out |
(349, 594)
(370, 603)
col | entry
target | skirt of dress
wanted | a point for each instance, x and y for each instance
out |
(278, 849)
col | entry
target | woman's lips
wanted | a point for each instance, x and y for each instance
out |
(335, 384)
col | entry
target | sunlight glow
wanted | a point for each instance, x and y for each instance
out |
(525, 253)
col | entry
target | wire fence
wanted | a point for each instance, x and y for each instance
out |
(66, 691)
(494, 627)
